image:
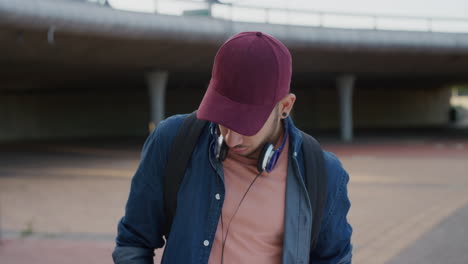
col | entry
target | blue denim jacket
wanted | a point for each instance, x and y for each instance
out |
(198, 210)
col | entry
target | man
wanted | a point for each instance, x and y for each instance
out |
(242, 206)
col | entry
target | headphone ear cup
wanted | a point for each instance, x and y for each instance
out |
(264, 157)
(220, 149)
(223, 151)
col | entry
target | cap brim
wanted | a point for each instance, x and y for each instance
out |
(244, 119)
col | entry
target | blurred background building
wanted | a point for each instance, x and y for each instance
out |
(88, 68)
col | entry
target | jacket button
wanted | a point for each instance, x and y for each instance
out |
(217, 196)
(206, 243)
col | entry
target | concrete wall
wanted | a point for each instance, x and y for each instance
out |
(183, 100)
(78, 114)
(374, 108)
(319, 108)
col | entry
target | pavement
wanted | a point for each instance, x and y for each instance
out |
(48, 251)
(60, 201)
(445, 243)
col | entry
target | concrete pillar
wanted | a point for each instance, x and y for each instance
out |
(345, 85)
(157, 82)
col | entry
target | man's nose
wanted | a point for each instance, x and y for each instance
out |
(232, 138)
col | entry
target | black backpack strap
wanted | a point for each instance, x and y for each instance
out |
(316, 182)
(179, 156)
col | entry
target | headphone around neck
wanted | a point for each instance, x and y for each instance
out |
(268, 156)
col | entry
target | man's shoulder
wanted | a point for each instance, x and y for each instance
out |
(171, 124)
(336, 173)
(331, 159)
(164, 134)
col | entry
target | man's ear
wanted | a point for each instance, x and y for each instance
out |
(286, 104)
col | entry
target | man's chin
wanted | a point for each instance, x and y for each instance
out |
(253, 154)
(242, 153)
(246, 152)
(239, 151)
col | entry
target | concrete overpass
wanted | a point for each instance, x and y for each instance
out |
(77, 69)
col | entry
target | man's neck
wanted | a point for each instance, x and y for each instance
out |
(278, 133)
(274, 139)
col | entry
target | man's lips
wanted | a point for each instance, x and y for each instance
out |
(238, 150)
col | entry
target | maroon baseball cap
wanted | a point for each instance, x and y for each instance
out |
(251, 74)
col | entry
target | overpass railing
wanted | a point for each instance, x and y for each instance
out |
(307, 17)
(275, 15)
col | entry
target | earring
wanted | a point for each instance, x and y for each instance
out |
(284, 114)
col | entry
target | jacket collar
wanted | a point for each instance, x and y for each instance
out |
(295, 140)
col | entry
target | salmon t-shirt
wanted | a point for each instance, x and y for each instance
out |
(256, 232)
